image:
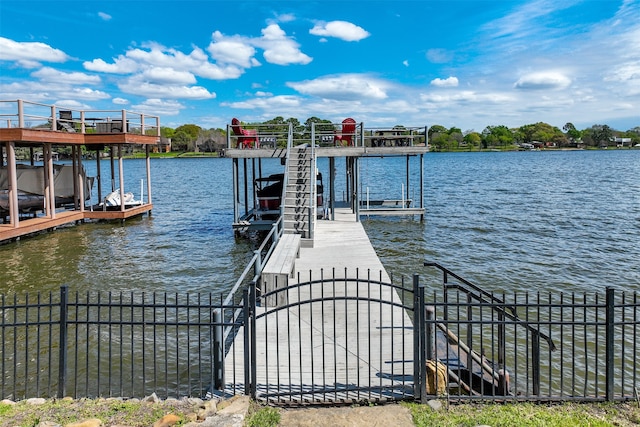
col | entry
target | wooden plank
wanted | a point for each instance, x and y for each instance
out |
(36, 225)
(280, 266)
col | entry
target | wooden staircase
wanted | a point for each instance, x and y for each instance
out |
(300, 194)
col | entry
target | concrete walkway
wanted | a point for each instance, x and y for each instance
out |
(348, 341)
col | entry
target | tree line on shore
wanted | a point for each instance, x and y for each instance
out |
(191, 137)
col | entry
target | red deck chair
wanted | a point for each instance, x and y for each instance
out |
(347, 134)
(247, 138)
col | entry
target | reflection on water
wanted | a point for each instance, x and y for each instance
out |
(508, 221)
(524, 221)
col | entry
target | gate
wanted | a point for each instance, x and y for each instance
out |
(335, 340)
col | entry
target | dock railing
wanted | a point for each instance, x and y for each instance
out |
(397, 136)
(593, 356)
(32, 115)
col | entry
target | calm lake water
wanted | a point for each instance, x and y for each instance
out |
(513, 221)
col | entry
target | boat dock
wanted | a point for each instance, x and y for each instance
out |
(352, 334)
(38, 195)
(328, 323)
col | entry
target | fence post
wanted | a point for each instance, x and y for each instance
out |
(218, 366)
(609, 349)
(62, 358)
(417, 389)
(419, 342)
(247, 347)
(535, 362)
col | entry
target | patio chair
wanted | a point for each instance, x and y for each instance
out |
(247, 138)
(345, 137)
(65, 122)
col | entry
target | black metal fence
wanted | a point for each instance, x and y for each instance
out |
(537, 346)
(104, 344)
(338, 338)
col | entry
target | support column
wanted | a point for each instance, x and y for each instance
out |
(82, 179)
(422, 186)
(236, 196)
(332, 187)
(13, 185)
(51, 184)
(148, 157)
(121, 177)
(356, 184)
(99, 176)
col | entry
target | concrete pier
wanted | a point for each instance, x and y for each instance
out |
(349, 340)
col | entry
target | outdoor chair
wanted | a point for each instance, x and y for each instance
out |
(247, 138)
(345, 137)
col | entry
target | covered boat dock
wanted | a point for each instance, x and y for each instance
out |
(39, 128)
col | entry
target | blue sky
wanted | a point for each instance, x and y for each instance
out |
(463, 63)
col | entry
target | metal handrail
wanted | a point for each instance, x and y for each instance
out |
(494, 302)
(47, 114)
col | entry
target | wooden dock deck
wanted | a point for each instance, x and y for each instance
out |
(347, 333)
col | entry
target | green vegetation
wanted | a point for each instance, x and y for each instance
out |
(262, 416)
(110, 412)
(541, 135)
(528, 415)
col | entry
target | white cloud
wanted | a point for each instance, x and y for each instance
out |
(137, 85)
(439, 56)
(104, 16)
(234, 50)
(273, 104)
(543, 80)
(405, 63)
(121, 65)
(48, 74)
(279, 48)
(448, 82)
(87, 93)
(166, 75)
(29, 54)
(120, 101)
(343, 87)
(159, 107)
(71, 104)
(340, 29)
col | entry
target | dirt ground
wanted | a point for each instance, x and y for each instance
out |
(359, 416)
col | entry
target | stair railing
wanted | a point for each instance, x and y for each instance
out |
(498, 305)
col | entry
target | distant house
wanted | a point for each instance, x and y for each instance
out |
(621, 142)
(164, 146)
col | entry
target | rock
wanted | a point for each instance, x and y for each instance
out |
(8, 402)
(219, 421)
(36, 401)
(92, 422)
(434, 404)
(167, 421)
(152, 399)
(194, 401)
(207, 409)
(237, 405)
(48, 424)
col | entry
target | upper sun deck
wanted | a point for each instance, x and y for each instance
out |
(26, 123)
(348, 139)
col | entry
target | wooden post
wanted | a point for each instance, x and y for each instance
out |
(148, 174)
(51, 185)
(121, 177)
(13, 184)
